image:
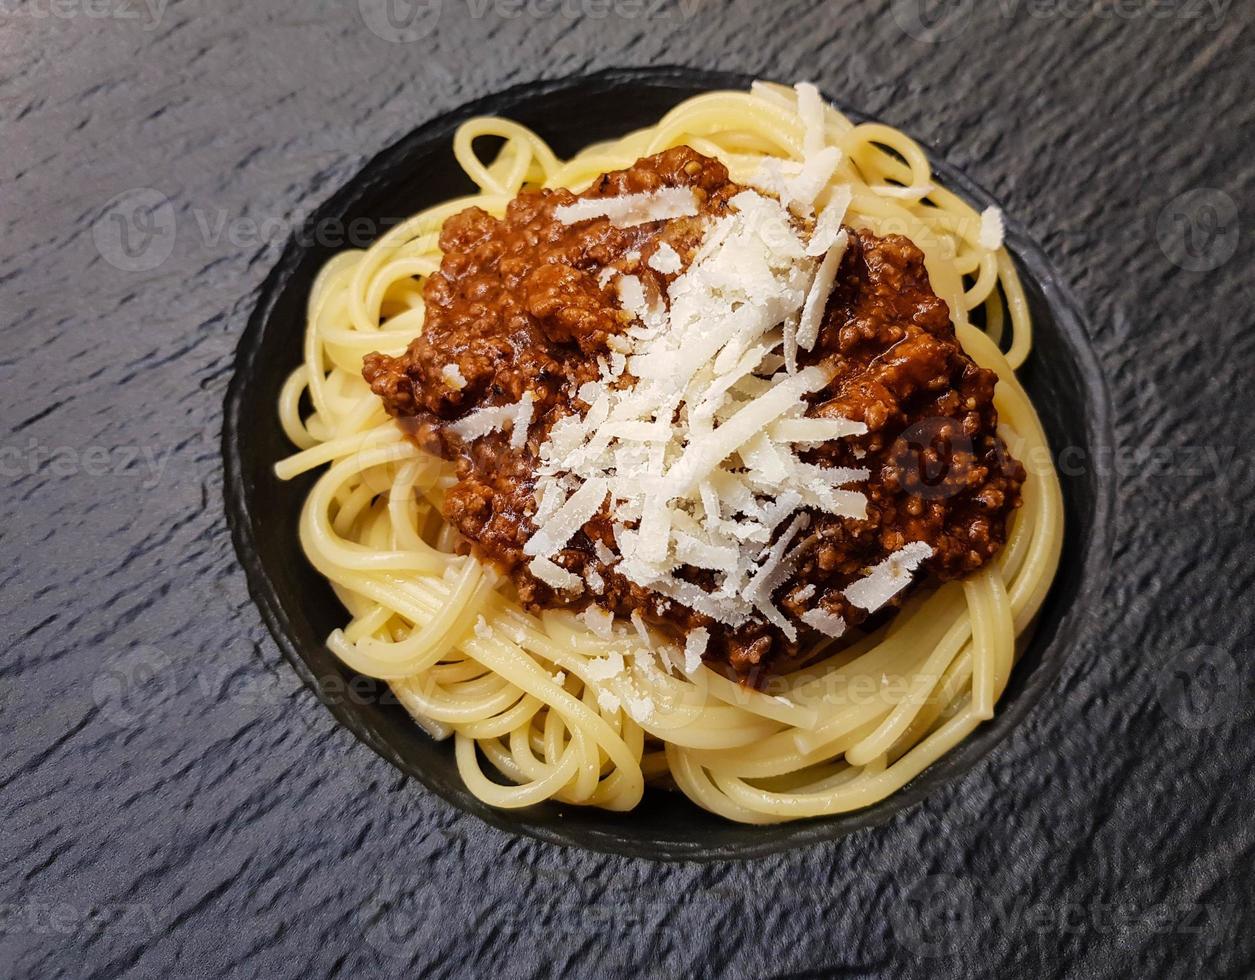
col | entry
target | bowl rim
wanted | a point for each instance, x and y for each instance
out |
(1095, 549)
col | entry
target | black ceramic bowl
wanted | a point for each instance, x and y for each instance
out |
(300, 609)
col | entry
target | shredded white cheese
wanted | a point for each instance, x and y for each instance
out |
(698, 456)
(828, 224)
(810, 109)
(522, 421)
(452, 375)
(992, 229)
(824, 622)
(694, 646)
(608, 701)
(696, 459)
(555, 576)
(665, 260)
(629, 210)
(638, 622)
(640, 708)
(495, 418)
(797, 185)
(821, 289)
(888, 578)
(815, 430)
(606, 668)
(578, 509)
(599, 621)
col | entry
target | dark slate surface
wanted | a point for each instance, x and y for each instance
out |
(175, 804)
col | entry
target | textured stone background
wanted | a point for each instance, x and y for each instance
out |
(174, 803)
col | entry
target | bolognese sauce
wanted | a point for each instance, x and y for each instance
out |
(522, 305)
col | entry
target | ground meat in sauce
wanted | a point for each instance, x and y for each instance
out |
(517, 306)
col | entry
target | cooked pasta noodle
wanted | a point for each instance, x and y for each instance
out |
(519, 690)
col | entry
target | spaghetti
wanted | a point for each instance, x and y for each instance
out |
(563, 712)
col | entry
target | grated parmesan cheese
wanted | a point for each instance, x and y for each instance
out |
(797, 185)
(603, 553)
(665, 260)
(638, 622)
(554, 575)
(452, 375)
(888, 578)
(821, 289)
(640, 708)
(495, 418)
(695, 459)
(599, 621)
(815, 174)
(694, 646)
(629, 210)
(828, 224)
(992, 229)
(608, 701)
(771, 573)
(824, 622)
(577, 511)
(815, 430)
(522, 420)
(606, 668)
(810, 109)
